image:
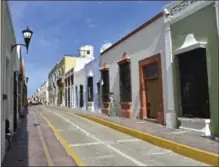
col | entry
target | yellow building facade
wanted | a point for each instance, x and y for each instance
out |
(66, 63)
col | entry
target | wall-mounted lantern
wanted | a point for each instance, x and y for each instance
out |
(27, 34)
(27, 79)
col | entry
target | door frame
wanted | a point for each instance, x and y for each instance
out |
(143, 99)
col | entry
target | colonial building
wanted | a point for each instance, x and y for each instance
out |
(69, 82)
(52, 86)
(93, 85)
(79, 88)
(9, 71)
(43, 93)
(133, 69)
(67, 63)
(192, 49)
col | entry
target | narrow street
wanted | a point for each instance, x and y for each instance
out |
(97, 145)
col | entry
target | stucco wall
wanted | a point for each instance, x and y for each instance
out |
(79, 79)
(145, 43)
(8, 39)
(69, 63)
(203, 25)
(93, 67)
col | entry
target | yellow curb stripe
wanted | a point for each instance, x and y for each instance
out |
(64, 142)
(45, 148)
(191, 152)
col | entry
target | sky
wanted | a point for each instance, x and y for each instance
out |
(61, 27)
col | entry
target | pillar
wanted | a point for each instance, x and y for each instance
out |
(170, 114)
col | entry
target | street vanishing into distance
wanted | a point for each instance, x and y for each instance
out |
(109, 83)
(98, 145)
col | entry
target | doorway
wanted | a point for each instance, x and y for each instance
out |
(15, 101)
(76, 96)
(151, 82)
(151, 93)
(98, 95)
(68, 98)
(81, 96)
(194, 84)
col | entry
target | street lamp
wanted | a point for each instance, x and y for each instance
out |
(27, 79)
(27, 34)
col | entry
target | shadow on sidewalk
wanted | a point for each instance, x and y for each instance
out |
(17, 155)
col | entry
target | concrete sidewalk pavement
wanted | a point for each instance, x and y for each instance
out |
(35, 145)
(187, 142)
(98, 145)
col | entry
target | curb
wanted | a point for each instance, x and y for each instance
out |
(187, 151)
(64, 143)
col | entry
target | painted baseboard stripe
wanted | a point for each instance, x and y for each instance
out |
(191, 152)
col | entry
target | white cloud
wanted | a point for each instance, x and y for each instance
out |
(90, 23)
(105, 46)
(88, 20)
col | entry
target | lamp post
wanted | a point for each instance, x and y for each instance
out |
(27, 79)
(27, 34)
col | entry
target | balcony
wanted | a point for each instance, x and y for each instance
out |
(60, 81)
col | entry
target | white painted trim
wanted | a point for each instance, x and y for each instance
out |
(90, 74)
(188, 11)
(189, 44)
(169, 76)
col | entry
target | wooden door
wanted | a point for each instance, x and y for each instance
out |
(153, 97)
(153, 91)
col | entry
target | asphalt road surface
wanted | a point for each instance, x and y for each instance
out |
(97, 145)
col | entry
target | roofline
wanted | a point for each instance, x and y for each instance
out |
(153, 19)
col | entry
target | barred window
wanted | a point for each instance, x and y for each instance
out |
(105, 86)
(90, 88)
(81, 96)
(125, 82)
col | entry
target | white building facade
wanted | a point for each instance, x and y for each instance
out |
(79, 86)
(43, 93)
(52, 86)
(9, 68)
(124, 73)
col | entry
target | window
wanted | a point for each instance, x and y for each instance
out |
(105, 86)
(125, 82)
(69, 81)
(151, 71)
(98, 88)
(88, 52)
(66, 83)
(90, 88)
(81, 96)
(72, 80)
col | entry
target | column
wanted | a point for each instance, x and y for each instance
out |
(170, 114)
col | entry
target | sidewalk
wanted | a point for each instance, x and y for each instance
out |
(176, 135)
(27, 146)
